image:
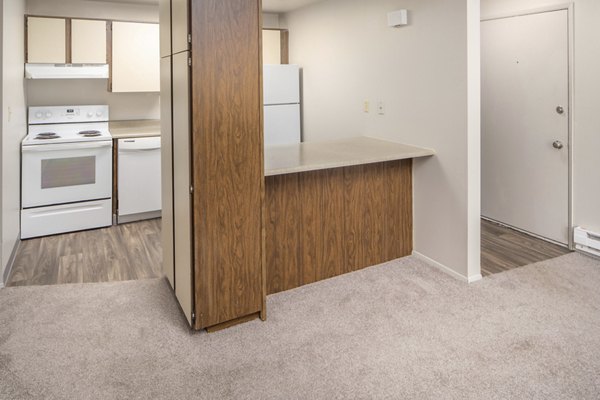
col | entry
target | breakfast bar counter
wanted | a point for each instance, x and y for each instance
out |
(336, 207)
(312, 156)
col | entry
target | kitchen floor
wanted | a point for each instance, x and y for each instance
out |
(133, 251)
(117, 253)
(503, 249)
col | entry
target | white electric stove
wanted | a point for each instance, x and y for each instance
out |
(66, 170)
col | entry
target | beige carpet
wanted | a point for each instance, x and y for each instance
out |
(397, 331)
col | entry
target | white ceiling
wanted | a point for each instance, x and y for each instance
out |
(273, 6)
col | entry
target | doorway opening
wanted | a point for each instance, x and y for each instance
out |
(526, 136)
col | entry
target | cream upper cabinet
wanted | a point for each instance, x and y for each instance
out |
(271, 46)
(46, 40)
(135, 57)
(88, 41)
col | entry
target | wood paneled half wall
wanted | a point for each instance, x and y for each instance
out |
(329, 222)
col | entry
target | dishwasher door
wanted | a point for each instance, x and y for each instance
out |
(139, 181)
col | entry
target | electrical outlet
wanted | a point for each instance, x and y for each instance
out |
(366, 106)
(381, 108)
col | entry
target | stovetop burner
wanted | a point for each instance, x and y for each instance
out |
(69, 126)
(47, 135)
(92, 133)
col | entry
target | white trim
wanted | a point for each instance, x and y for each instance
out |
(447, 270)
(537, 10)
(571, 38)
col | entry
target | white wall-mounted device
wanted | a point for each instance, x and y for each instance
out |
(397, 18)
(587, 241)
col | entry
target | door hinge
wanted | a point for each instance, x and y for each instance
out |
(189, 38)
(191, 190)
(193, 318)
(190, 61)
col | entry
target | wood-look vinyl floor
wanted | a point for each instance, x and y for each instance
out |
(503, 249)
(133, 251)
(117, 253)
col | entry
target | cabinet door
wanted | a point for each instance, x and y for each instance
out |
(135, 57)
(166, 130)
(181, 185)
(164, 9)
(271, 46)
(88, 41)
(180, 25)
(228, 160)
(46, 40)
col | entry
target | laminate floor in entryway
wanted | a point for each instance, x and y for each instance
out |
(503, 249)
(117, 253)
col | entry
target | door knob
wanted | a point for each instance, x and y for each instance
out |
(560, 110)
(558, 145)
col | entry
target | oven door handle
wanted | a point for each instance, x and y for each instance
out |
(65, 146)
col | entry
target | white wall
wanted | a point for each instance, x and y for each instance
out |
(586, 132)
(349, 55)
(270, 20)
(65, 92)
(122, 106)
(13, 122)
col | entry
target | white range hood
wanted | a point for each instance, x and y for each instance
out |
(66, 71)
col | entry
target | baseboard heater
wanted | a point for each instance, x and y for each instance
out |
(587, 241)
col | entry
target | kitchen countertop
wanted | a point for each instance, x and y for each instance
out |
(134, 128)
(312, 156)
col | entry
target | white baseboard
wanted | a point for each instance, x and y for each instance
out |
(443, 268)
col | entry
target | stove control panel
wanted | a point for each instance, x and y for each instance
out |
(67, 114)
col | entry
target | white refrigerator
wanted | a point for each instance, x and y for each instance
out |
(282, 104)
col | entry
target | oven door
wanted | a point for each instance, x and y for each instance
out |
(66, 173)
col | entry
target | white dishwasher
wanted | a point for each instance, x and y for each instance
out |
(138, 189)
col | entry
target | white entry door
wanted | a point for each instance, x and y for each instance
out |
(525, 123)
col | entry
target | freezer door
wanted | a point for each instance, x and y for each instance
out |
(281, 84)
(282, 124)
